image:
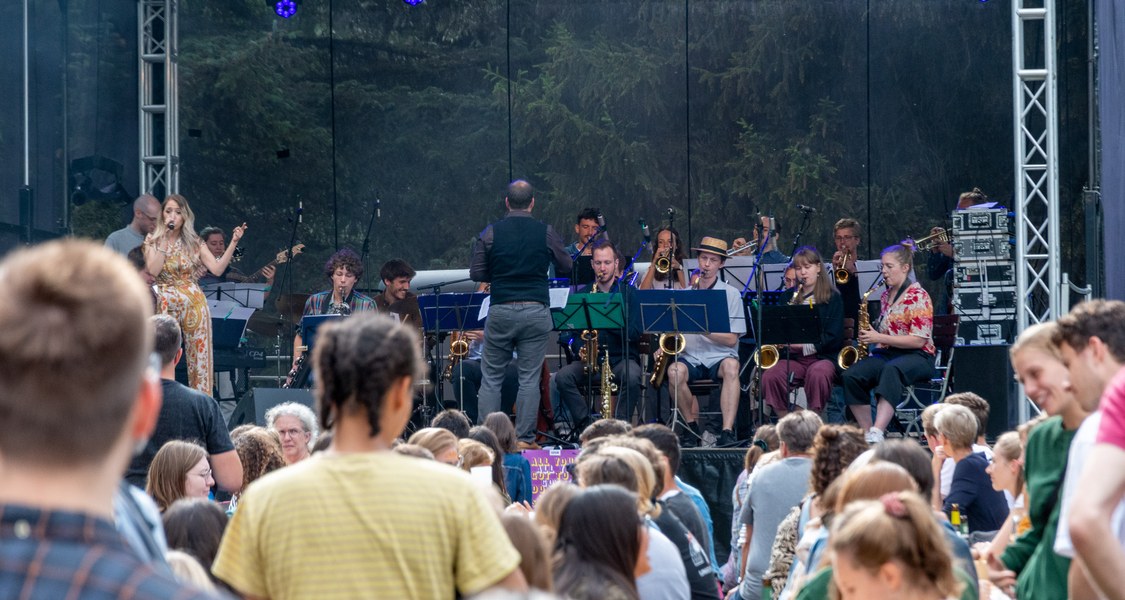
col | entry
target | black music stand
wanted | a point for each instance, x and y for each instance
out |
(784, 324)
(249, 295)
(590, 311)
(455, 311)
(683, 311)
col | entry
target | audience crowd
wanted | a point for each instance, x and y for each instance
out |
(121, 483)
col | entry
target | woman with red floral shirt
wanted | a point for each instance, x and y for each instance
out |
(902, 351)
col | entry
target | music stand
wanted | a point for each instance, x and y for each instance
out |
(683, 311)
(310, 324)
(455, 311)
(249, 295)
(590, 311)
(228, 323)
(787, 324)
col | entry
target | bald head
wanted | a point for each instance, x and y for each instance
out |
(520, 195)
(146, 210)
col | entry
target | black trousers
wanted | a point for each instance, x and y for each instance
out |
(887, 372)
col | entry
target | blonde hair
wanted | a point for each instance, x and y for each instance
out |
(619, 466)
(474, 454)
(433, 439)
(1010, 448)
(188, 570)
(1040, 336)
(872, 481)
(959, 426)
(550, 507)
(188, 236)
(898, 527)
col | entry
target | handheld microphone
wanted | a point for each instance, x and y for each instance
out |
(644, 230)
(171, 226)
(808, 209)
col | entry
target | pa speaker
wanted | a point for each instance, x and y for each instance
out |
(253, 407)
(987, 371)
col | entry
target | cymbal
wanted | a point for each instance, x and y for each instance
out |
(292, 305)
(269, 325)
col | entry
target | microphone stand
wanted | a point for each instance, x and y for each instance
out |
(582, 248)
(287, 278)
(367, 238)
(805, 222)
(754, 274)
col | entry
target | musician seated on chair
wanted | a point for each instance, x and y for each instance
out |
(812, 365)
(465, 378)
(217, 243)
(624, 358)
(847, 235)
(903, 352)
(343, 269)
(669, 247)
(397, 300)
(710, 355)
(766, 226)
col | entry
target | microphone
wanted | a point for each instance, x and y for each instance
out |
(644, 230)
(300, 209)
(378, 208)
(601, 221)
(773, 225)
(171, 226)
(808, 209)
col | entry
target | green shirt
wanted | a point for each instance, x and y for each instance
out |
(1042, 573)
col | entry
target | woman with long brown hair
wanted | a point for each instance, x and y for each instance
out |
(173, 254)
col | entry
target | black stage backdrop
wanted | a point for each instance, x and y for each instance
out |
(715, 472)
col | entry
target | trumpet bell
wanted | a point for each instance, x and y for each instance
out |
(766, 356)
(662, 264)
(842, 276)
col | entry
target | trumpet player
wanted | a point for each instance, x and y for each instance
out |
(711, 355)
(847, 235)
(904, 349)
(624, 358)
(668, 248)
(812, 366)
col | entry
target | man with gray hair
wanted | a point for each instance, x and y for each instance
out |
(775, 490)
(146, 210)
(295, 424)
(984, 508)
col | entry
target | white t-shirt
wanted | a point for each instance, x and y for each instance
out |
(702, 350)
(1080, 448)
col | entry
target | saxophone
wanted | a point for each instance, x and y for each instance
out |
(458, 350)
(850, 355)
(608, 387)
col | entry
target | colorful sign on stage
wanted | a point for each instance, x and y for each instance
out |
(548, 467)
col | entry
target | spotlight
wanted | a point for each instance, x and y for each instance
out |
(413, 2)
(285, 8)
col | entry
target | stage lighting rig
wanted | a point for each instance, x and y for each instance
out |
(285, 8)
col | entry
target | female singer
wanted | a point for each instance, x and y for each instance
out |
(172, 253)
(667, 243)
(811, 365)
(904, 348)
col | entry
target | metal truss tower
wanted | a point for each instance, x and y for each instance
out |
(1039, 289)
(158, 85)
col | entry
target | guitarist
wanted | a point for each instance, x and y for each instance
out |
(217, 244)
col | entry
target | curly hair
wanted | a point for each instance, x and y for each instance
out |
(259, 453)
(834, 448)
(357, 361)
(347, 258)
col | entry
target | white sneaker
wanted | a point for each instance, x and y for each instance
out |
(874, 435)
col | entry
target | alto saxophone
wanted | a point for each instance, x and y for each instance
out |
(850, 355)
(608, 387)
(458, 350)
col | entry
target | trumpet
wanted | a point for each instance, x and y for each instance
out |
(935, 239)
(752, 245)
(663, 263)
(841, 273)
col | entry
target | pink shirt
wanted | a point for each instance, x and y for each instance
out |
(1112, 429)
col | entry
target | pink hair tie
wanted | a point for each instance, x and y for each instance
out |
(892, 503)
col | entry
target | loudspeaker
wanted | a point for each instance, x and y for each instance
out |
(253, 407)
(987, 371)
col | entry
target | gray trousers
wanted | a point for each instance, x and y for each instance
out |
(522, 328)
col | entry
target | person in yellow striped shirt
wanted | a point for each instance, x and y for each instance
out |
(359, 520)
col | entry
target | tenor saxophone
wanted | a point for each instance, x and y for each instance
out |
(850, 355)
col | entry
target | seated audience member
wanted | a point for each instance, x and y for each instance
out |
(485, 436)
(441, 442)
(984, 508)
(409, 521)
(454, 420)
(195, 526)
(517, 470)
(75, 347)
(889, 548)
(179, 470)
(600, 551)
(1006, 471)
(535, 556)
(185, 414)
(258, 451)
(474, 454)
(295, 425)
(943, 464)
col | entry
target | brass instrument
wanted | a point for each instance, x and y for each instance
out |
(695, 277)
(850, 355)
(588, 353)
(608, 387)
(458, 350)
(663, 263)
(935, 239)
(752, 245)
(841, 273)
(767, 356)
(667, 347)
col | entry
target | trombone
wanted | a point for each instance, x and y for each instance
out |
(752, 245)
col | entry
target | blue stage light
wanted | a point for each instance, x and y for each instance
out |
(285, 8)
(413, 2)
